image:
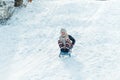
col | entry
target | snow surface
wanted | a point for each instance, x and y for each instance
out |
(29, 49)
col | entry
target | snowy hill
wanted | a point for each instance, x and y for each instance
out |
(29, 49)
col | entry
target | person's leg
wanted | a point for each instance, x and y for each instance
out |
(64, 50)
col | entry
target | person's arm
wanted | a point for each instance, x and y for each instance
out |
(72, 39)
(60, 44)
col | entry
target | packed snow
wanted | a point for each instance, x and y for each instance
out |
(28, 41)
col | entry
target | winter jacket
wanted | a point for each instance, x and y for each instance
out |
(69, 43)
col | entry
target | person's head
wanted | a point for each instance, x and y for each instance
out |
(63, 32)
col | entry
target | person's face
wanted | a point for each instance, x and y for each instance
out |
(62, 33)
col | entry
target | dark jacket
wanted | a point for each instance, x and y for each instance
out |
(72, 39)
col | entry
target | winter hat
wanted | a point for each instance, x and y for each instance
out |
(63, 30)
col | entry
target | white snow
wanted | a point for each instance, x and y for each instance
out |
(29, 49)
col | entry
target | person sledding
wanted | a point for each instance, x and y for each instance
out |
(66, 43)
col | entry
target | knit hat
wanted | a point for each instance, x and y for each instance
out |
(63, 30)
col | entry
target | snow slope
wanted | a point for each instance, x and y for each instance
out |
(29, 49)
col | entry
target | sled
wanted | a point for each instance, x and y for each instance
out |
(63, 54)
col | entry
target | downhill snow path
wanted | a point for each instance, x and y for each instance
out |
(29, 49)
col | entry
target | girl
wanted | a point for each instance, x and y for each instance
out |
(65, 41)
